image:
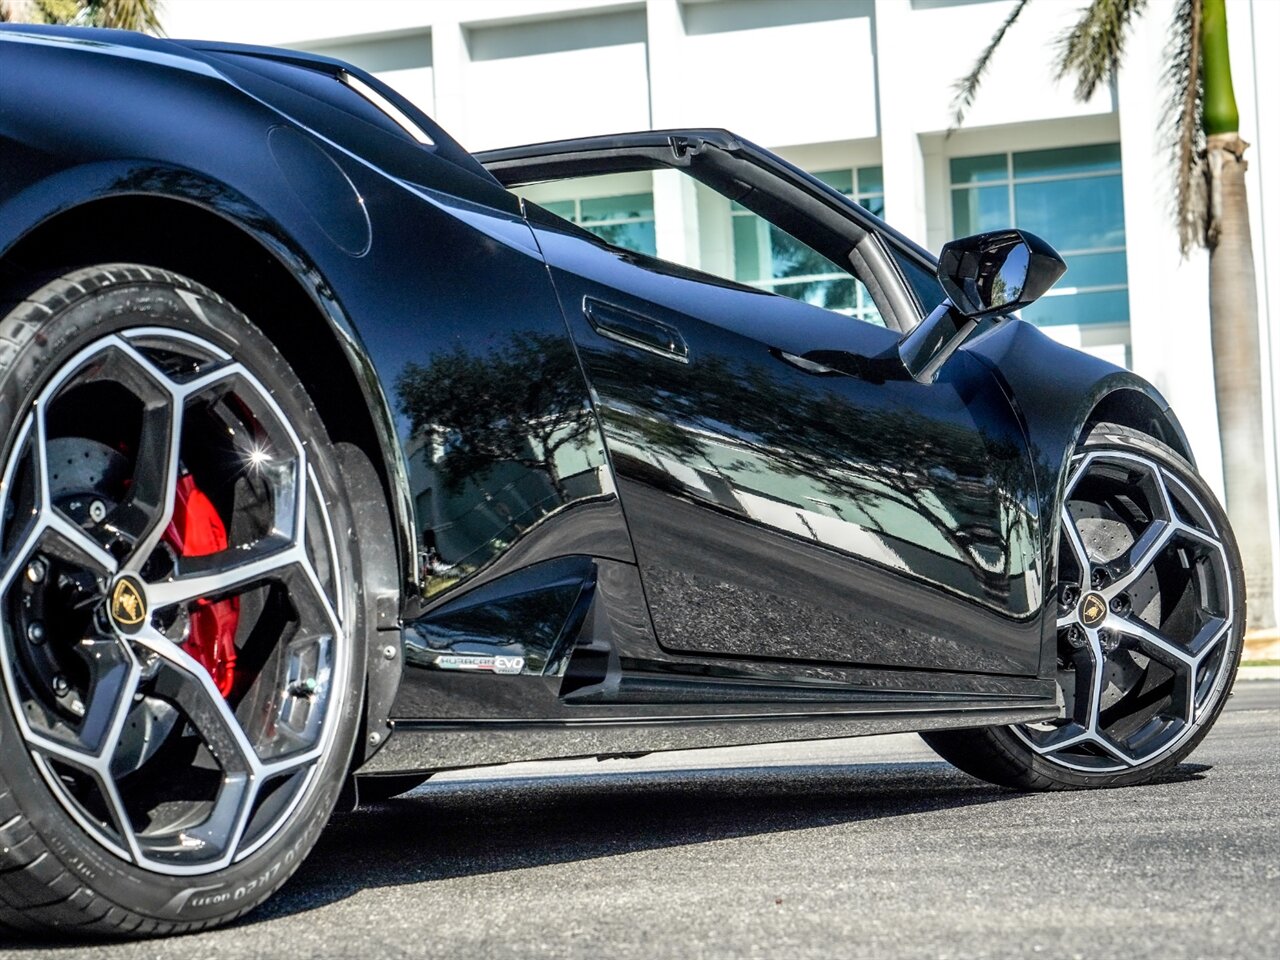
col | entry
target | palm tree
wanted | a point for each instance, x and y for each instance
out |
(1202, 125)
(142, 15)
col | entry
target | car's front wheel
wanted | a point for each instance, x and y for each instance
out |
(1150, 612)
(178, 627)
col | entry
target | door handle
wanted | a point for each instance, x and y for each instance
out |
(634, 330)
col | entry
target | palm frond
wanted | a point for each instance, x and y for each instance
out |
(1091, 50)
(1182, 125)
(140, 15)
(966, 88)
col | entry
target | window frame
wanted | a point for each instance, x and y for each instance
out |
(863, 303)
(776, 189)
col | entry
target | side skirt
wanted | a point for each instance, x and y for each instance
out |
(429, 745)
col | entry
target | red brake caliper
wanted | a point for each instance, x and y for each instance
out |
(197, 531)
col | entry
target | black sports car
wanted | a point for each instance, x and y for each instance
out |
(332, 459)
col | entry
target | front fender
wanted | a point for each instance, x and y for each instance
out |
(1057, 394)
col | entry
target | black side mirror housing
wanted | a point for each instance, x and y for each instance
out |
(999, 272)
(983, 276)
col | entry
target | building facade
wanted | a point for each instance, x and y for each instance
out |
(858, 92)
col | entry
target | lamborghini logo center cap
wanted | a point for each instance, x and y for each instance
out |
(128, 606)
(1093, 609)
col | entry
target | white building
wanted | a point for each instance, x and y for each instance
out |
(858, 91)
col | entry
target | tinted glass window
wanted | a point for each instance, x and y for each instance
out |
(710, 233)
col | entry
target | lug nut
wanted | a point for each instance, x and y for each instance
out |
(1075, 637)
(304, 688)
(35, 632)
(1099, 578)
(60, 685)
(1108, 640)
(1070, 595)
(36, 570)
(1120, 603)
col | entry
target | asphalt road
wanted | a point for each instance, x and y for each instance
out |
(870, 848)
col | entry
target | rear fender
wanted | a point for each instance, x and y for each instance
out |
(27, 214)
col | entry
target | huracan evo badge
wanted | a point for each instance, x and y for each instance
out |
(128, 605)
(1092, 610)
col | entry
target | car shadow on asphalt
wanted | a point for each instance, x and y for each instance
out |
(461, 828)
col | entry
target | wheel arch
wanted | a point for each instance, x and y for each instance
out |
(1124, 399)
(255, 267)
(1131, 407)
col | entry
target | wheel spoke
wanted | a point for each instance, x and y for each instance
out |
(1071, 535)
(1068, 735)
(1208, 637)
(1141, 555)
(127, 847)
(204, 705)
(1151, 641)
(1114, 748)
(80, 541)
(107, 715)
(186, 588)
(58, 536)
(1093, 655)
(142, 517)
(147, 513)
(1169, 652)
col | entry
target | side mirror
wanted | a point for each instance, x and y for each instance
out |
(995, 273)
(983, 276)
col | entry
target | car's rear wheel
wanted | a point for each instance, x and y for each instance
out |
(178, 627)
(1150, 612)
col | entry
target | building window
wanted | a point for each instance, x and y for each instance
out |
(625, 221)
(1072, 198)
(766, 256)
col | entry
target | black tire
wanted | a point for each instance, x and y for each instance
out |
(58, 870)
(1003, 755)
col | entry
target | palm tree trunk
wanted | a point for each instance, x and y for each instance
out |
(1233, 310)
(1233, 321)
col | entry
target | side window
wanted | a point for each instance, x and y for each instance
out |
(668, 215)
(624, 220)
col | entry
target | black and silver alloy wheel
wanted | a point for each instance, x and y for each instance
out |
(176, 605)
(1145, 604)
(1149, 611)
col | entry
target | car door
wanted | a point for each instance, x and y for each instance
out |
(791, 494)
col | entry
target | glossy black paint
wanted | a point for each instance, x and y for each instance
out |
(754, 486)
(997, 273)
(514, 387)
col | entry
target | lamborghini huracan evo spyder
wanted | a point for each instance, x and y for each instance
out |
(331, 458)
